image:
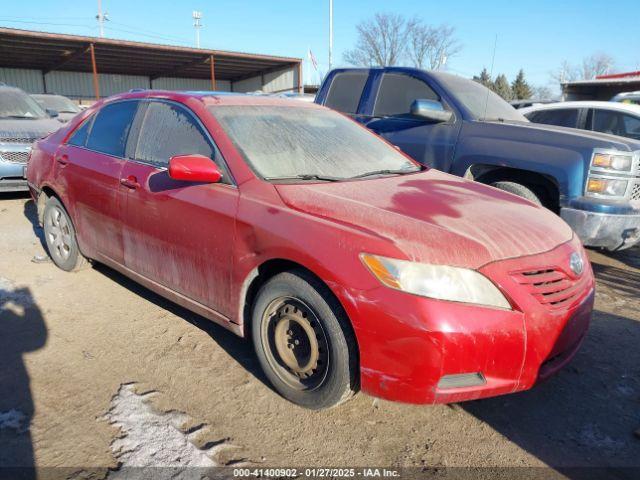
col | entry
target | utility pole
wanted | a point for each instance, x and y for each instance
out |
(330, 32)
(101, 18)
(197, 16)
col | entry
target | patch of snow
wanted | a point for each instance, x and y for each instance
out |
(151, 439)
(12, 419)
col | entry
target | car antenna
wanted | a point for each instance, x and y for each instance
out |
(493, 61)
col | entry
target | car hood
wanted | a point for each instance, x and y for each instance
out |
(433, 217)
(561, 137)
(27, 130)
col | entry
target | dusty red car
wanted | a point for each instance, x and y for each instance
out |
(349, 265)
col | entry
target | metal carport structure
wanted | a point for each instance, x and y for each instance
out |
(48, 53)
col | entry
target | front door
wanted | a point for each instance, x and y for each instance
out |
(429, 143)
(178, 234)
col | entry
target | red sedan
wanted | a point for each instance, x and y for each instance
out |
(349, 265)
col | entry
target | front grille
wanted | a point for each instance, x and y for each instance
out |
(15, 157)
(635, 192)
(21, 137)
(551, 286)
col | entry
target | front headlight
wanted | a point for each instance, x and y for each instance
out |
(435, 281)
(614, 162)
(607, 186)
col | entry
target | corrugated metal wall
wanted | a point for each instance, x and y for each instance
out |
(28, 80)
(80, 84)
(171, 83)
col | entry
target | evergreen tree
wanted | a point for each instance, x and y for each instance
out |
(484, 79)
(502, 88)
(520, 88)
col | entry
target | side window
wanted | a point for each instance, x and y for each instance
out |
(632, 126)
(616, 123)
(562, 117)
(397, 93)
(167, 130)
(345, 91)
(79, 137)
(111, 128)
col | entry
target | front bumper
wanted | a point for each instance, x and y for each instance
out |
(613, 227)
(13, 173)
(408, 343)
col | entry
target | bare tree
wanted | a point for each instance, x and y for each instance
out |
(431, 46)
(381, 41)
(596, 64)
(592, 66)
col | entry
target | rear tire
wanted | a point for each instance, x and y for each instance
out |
(60, 237)
(304, 341)
(518, 189)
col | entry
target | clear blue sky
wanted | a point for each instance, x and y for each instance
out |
(536, 35)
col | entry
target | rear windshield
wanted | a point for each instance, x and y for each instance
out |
(281, 141)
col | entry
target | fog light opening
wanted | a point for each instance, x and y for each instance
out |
(462, 380)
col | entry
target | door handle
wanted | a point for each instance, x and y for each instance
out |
(130, 182)
(62, 159)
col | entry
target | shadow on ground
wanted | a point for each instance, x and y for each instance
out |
(586, 415)
(22, 330)
(238, 348)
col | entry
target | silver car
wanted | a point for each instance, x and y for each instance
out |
(22, 122)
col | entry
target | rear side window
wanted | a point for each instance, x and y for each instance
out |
(397, 93)
(111, 128)
(616, 123)
(562, 117)
(79, 137)
(345, 91)
(167, 130)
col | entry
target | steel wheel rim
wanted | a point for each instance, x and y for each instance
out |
(295, 343)
(58, 232)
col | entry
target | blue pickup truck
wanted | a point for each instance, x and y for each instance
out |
(458, 126)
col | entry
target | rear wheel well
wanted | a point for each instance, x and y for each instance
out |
(545, 187)
(45, 194)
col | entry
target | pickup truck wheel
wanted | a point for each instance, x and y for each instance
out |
(518, 189)
(60, 237)
(303, 342)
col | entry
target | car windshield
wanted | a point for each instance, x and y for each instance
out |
(57, 102)
(285, 143)
(17, 104)
(481, 102)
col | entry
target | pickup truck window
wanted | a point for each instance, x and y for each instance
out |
(345, 91)
(285, 143)
(561, 117)
(397, 92)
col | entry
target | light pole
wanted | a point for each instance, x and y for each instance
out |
(197, 16)
(330, 32)
(101, 18)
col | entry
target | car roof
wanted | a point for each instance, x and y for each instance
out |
(214, 98)
(616, 106)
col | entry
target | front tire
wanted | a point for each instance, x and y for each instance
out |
(304, 341)
(60, 237)
(518, 189)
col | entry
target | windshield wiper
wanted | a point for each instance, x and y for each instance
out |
(307, 176)
(19, 116)
(385, 172)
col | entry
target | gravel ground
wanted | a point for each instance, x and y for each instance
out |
(87, 355)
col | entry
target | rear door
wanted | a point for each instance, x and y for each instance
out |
(429, 143)
(178, 234)
(89, 167)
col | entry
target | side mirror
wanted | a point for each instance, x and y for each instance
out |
(430, 110)
(52, 113)
(194, 168)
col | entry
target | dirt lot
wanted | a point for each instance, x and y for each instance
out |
(78, 350)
